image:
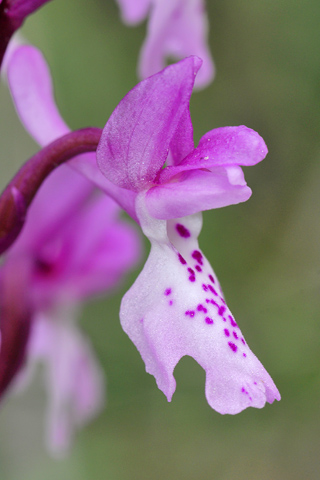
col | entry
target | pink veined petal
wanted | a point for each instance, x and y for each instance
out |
(31, 88)
(221, 147)
(196, 191)
(182, 141)
(73, 379)
(135, 141)
(176, 29)
(176, 308)
(134, 11)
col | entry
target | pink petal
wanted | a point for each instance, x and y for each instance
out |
(182, 142)
(31, 87)
(73, 379)
(176, 308)
(134, 11)
(196, 191)
(221, 147)
(135, 141)
(176, 29)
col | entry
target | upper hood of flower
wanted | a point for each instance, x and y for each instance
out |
(152, 120)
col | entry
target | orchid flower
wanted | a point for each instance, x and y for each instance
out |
(73, 246)
(176, 306)
(176, 28)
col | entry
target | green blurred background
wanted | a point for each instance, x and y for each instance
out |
(265, 252)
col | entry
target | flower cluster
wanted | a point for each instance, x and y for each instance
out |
(74, 245)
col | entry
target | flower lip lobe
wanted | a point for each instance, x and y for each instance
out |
(199, 325)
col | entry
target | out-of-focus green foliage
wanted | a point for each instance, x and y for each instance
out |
(265, 252)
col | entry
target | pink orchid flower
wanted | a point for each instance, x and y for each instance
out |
(176, 28)
(73, 246)
(176, 306)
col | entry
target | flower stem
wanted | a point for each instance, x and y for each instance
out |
(19, 193)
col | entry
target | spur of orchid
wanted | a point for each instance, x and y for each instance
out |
(149, 165)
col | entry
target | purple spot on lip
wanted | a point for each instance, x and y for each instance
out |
(191, 271)
(199, 269)
(233, 347)
(182, 230)
(242, 340)
(171, 302)
(167, 291)
(192, 278)
(235, 335)
(204, 287)
(197, 256)
(209, 321)
(226, 332)
(221, 310)
(211, 278)
(201, 308)
(212, 289)
(181, 259)
(233, 323)
(244, 354)
(190, 313)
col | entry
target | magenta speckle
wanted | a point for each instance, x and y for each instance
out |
(243, 390)
(167, 291)
(226, 332)
(182, 230)
(211, 278)
(199, 269)
(192, 278)
(232, 321)
(190, 313)
(181, 259)
(191, 271)
(209, 321)
(244, 354)
(221, 310)
(197, 256)
(204, 287)
(171, 302)
(212, 289)
(242, 340)
(201, 308)
(214, 303)
(255, 383)
(141, 320)
(233, 347)
(235, 335)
